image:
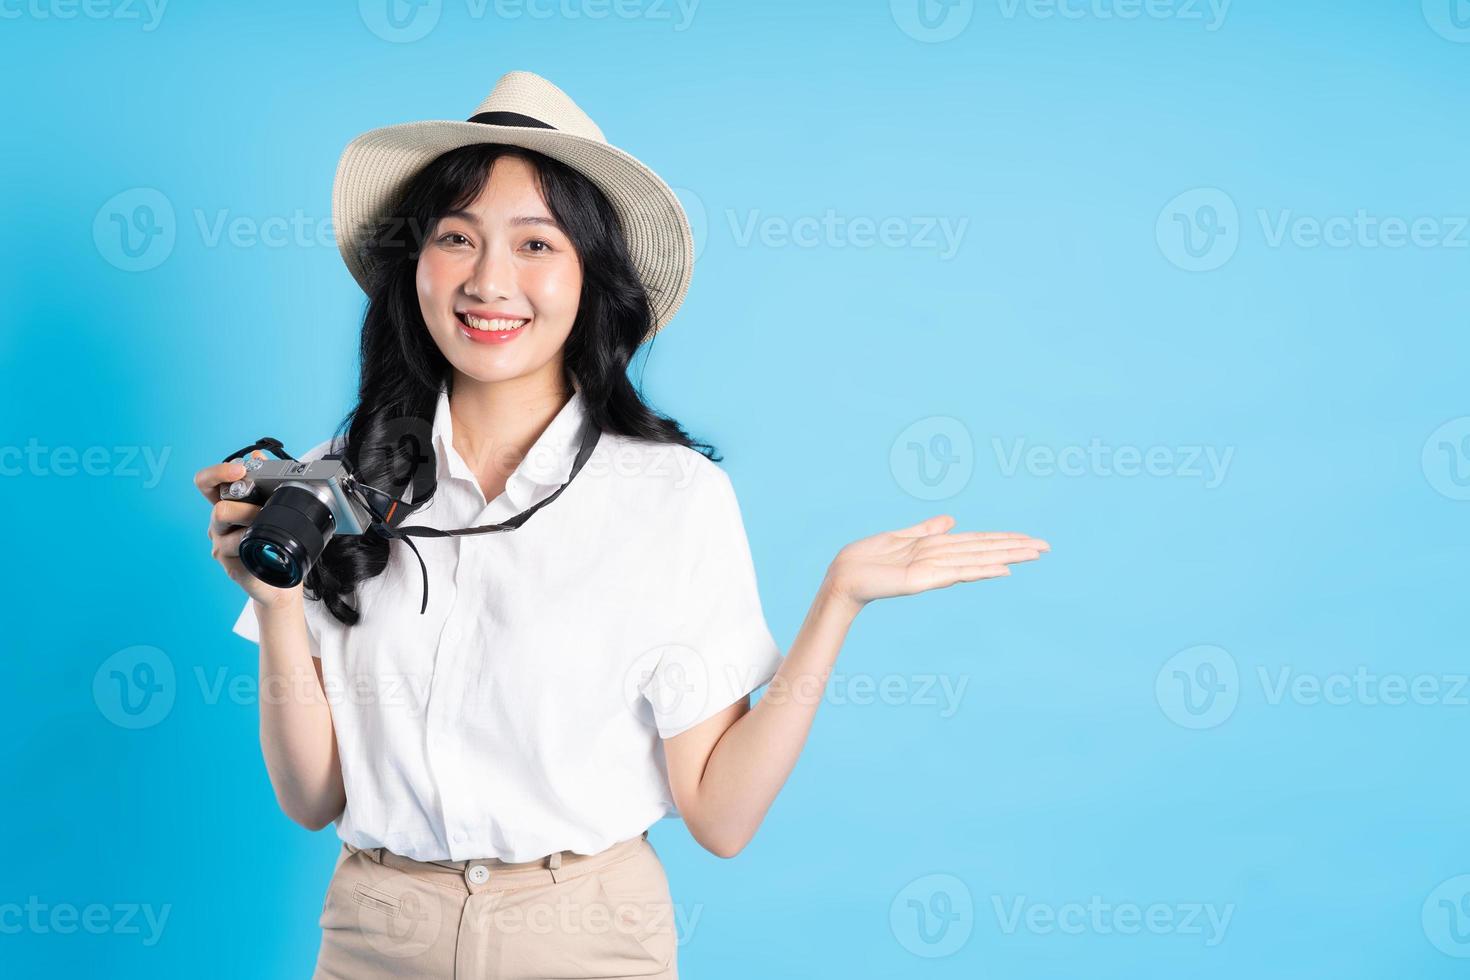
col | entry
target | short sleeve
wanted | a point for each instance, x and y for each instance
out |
(247, 625)
(721, 647)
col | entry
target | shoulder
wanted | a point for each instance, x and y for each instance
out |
(663, 468)
(663, 485)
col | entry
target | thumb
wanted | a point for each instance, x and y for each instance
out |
(934, 525)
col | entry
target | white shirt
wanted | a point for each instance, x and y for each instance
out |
(522, 713)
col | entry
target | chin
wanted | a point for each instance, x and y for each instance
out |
(477, 370)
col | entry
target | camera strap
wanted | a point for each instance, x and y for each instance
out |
(265, 442)
(383, 527)
(388, 512)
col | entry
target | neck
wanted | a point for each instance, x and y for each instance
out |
(497, 422)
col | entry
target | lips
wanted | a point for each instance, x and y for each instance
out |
(483, 330)
(490, 320)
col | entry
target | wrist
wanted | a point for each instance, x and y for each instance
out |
(831, 596)
(284, 605)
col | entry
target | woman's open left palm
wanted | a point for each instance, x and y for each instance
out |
(924, 556)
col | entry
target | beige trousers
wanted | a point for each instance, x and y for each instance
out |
(566, 916)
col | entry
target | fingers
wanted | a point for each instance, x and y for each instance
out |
(949, 563)
(227, 548)
(989, 536)
(211, 478)
(974, 573)
(228, 514)
(934, 576)
(937, 526)
(999, 556)
(953, 546)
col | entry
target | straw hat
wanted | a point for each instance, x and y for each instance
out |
(523, 109)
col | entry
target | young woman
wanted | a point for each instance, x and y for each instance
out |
(494, 750)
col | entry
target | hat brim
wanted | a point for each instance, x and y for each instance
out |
(377, 166)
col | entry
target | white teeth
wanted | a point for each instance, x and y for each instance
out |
(497, 324)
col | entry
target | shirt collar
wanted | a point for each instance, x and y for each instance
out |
(546, 465)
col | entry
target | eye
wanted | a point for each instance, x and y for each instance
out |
(449, 235)
(546, 246)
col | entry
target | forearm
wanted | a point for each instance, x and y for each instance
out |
(296, 735)
(751, 761)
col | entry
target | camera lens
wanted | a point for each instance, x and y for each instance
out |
(287, 536)
(274, 564)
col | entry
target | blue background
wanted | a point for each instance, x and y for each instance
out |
(854, 388)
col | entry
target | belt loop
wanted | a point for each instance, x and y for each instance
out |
(645, 835)
(378, 854)
(554, 861)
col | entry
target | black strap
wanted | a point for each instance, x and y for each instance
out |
(590, 435)
(508, 119)
(264, 442)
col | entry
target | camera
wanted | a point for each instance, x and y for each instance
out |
(303, 503)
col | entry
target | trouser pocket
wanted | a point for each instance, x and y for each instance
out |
(639, 905)
(374, 913)
(615, 921)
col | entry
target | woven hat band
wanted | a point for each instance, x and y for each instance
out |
(508, 119)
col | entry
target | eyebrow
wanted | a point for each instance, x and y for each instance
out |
(523, 219)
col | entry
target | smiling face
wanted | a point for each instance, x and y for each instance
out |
(499, 282)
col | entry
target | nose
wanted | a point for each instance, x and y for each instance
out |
(493, 275)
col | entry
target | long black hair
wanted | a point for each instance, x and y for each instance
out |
(402, 370)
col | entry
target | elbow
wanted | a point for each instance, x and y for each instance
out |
(723, 834)
(311, 817)
(313, 821)
(724, 847)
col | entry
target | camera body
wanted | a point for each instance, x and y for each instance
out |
(303, 503)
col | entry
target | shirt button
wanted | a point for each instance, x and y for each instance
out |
(479, 874)
(459, 836)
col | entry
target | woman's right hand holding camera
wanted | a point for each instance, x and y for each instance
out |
(228, 522)
(296, 734)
